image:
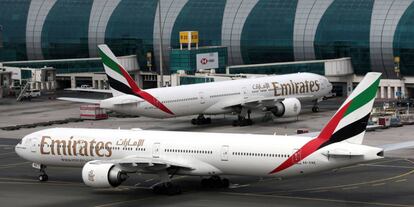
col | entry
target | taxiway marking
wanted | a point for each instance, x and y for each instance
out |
(402, 180)
(345, 185)
(318, 199)
(117, 203)
(8, 153)
(13, 165)
(377, 184)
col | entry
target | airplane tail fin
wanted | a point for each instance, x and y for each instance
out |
(348, 124)
(350, 121)
(120, 81)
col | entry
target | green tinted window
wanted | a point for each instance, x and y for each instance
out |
(203, 16)
(268, 32)
(130, 29)
(13, 17)
(344, 32)
(404, 41)
(65, 31)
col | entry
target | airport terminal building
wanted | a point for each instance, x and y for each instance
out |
(377, 35)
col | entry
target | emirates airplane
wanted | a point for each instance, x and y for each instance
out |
(278, 94)
(108, 156)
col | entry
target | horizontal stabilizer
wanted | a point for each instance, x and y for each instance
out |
(342, 153)
(80, 100)
(397, 146)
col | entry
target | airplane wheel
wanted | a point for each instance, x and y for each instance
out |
(315, 109)
(43, 178)
(194, 121)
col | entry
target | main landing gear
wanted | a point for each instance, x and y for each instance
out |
(315, 107)
(242, 120)
(201, 120)
(43, 176)
(215, 182)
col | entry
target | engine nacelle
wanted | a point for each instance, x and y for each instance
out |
(287, 108)
(102, 175)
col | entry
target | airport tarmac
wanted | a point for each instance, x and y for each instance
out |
(385, 182)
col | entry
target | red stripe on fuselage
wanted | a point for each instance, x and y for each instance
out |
(146, 96)
(314, 144)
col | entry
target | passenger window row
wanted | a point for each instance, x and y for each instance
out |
(180, 100)
(226, 94)
(189, 151)
(259, 154)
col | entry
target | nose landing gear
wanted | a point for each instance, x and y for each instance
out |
(315, 107)
(43, 176)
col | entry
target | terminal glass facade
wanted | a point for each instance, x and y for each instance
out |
(202, 16)
(404, 42)
(268, 32)
(130, 29)
(256, 31)
(13, 18)
(65, 31)
(344, 32)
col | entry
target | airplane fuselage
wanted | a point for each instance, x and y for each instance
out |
(219, 97)
(207, 153)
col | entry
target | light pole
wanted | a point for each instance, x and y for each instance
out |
(161, 52)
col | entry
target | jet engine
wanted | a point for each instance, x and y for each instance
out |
(286, 108)
(102, 175)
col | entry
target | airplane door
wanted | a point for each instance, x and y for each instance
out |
(156, 150)
(296, 155)
(33, 144)
(225, 153)
(244, 92)
(201, 96)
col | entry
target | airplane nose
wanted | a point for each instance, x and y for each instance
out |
(17, 149)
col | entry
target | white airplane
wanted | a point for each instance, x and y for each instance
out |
(278, 94)
(107, 155)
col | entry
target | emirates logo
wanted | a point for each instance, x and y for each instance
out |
(91, 176)
(295, 108)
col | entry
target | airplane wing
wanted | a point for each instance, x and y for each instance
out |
(80, 100)
(259, 100)
(89, 90)
(397, 146)
(256, 101)
(143, 163)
